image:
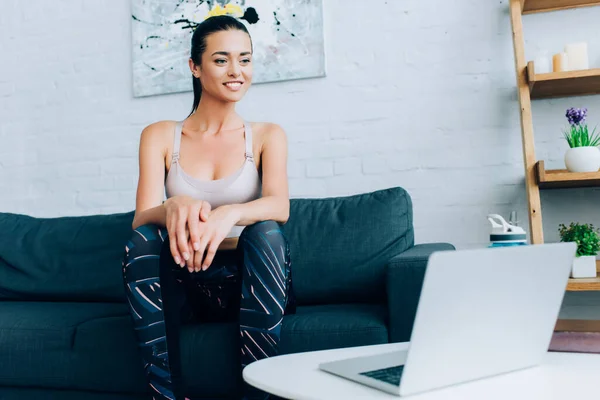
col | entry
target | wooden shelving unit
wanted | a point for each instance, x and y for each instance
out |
(562, 84)
(536, 6)
(563, 179)
(539, 86)
(581, 285)
(585, 284)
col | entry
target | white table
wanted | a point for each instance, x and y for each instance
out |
(296, 376)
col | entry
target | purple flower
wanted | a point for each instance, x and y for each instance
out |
(576, 116)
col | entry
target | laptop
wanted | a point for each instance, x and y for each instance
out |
(482, 312)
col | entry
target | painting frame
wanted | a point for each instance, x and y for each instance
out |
(288, 40)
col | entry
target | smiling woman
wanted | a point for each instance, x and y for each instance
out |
(231, 68)
(214, 250)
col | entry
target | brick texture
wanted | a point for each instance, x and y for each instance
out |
(418, 94)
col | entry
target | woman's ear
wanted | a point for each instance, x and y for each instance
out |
(194, 68)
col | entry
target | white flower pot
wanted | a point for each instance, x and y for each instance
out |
(583, 159)
(584, 267)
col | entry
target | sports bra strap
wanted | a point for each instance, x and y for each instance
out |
(248, 136)
(177, 142)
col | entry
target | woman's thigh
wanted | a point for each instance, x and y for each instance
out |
(214, 294)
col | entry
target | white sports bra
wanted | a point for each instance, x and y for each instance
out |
(242, 186)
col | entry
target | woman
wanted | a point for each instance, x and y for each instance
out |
(214, 250)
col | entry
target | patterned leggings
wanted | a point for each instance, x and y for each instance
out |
(249, 284)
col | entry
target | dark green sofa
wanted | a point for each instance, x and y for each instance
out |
(65, 331)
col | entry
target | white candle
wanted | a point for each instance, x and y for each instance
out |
(559, 62)
(577, 55)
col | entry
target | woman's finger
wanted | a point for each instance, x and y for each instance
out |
(193, 222)
(172, 230)
(205, 210)
(210, 253)
(190, 262)
(203, 243)
(197, 261)
(182, 237)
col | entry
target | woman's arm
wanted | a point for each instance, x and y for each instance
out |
(150, 190)
(155, 215)
(274, 203)
(181, 215)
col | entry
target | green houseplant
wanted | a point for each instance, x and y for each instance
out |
(583, 154)
(587, 238)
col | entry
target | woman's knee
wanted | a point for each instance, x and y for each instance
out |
(264, 232)
(147, 239)
(265, 244)
(145, 243)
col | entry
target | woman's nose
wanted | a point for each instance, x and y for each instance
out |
(234, 69)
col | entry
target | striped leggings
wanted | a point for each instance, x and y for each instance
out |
(249, 285)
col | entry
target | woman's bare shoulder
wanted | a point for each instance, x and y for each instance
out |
(157, 138)
(159, 130)
(268, 135)
(159, 134)
(265, 131)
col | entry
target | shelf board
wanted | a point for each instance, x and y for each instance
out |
(562, 84)
(577, 325)
(563, 179)
(585, 284)
(536, 6)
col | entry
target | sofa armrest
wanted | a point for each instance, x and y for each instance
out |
(404, 279)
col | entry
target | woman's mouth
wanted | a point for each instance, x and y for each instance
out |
(234, 85)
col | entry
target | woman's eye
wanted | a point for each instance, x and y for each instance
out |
(220, 61)
(246, 61)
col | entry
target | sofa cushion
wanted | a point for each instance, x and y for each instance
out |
(67, 345)
(20, 393)
(334, 326)
(63, 259)
(91, 346)
(64, 323)
(340, 245)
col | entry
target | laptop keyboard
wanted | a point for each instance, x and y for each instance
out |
(390, 375)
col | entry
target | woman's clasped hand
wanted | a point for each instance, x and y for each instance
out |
(196, 230)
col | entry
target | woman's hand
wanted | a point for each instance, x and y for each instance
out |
(186, 217)
(220, 221)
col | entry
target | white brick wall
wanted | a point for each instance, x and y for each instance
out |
(419, 94)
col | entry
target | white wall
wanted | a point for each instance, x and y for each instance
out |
(419, 94)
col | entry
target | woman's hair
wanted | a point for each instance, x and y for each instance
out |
(202, 31)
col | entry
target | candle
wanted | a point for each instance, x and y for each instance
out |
(559, 62)
(577, 55)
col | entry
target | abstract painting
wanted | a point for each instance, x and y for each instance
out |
(287, 36)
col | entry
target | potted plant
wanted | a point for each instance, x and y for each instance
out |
(583, 154)
(588, 245)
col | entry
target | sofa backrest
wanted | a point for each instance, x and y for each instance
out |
(339, 247)
(63, 259)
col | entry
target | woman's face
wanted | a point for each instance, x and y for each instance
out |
(226, 68)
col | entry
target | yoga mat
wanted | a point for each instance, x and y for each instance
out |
(575, 342)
